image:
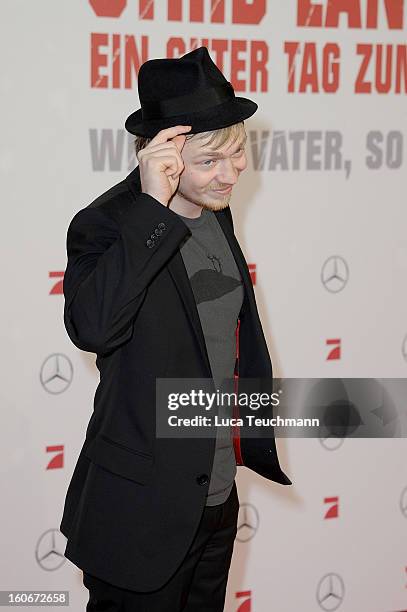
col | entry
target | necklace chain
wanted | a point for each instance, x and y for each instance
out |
(212, 258)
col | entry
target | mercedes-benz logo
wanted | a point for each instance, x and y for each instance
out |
(403, 502)
(330, 592)
(247, 522)
(49, 550)
(331, 442)
(404, 348)
(334, 274)
(56, 373)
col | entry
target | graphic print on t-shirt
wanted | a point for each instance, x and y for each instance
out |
(209, 285)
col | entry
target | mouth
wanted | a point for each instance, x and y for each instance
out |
(226, 190)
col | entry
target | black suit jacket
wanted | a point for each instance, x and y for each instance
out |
(135, 500)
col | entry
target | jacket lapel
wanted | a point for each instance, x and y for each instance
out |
(176, 268)
(237, 254)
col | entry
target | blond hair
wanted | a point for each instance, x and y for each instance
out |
(217, 137)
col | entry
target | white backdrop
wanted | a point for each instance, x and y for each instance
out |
(324, 190)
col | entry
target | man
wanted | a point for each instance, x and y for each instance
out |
(157, 286)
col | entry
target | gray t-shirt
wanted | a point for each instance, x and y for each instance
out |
(218, 290)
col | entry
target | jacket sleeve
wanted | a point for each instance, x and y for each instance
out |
(110, 264)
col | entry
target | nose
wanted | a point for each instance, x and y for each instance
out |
(228, 174)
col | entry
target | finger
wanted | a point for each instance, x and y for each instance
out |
(167, 133)
(179, 141)
(162, 146)
(170, 162)
(168, 148)
(176, 144)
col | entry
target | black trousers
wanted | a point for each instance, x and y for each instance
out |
(199, 584)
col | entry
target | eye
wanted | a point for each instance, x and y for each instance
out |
(238, 154)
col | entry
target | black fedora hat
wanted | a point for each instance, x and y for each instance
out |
(190, 90)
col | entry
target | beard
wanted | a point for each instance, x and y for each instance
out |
(214, 205)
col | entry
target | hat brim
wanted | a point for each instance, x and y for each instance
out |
(214, 118)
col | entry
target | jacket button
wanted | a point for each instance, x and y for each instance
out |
(150, 243)
(202, 479)
(153, 236)
(158, 232)
(162, 226)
